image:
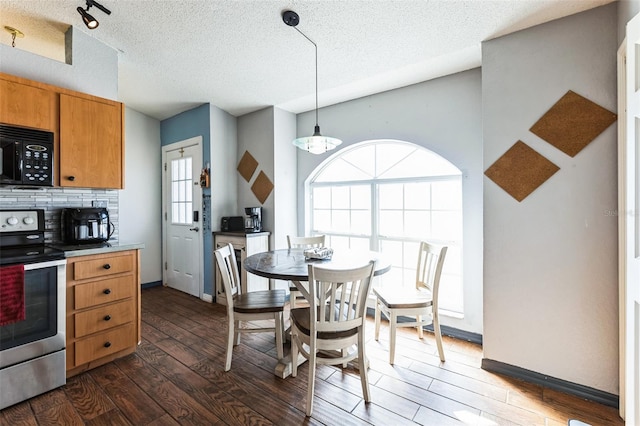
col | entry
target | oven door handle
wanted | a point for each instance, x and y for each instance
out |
(41, 265)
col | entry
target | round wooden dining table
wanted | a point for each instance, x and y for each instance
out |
(292, 265)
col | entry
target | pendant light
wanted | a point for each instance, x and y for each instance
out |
(316, 143)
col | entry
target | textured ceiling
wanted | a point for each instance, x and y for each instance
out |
(241, 57)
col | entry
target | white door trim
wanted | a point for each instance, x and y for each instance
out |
(629, 221)
(197, 140)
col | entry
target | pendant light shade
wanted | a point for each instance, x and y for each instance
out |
(316, 143)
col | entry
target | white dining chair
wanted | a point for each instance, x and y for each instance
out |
(336, 324)
(250, 306)
(301, 242)
(420, 302)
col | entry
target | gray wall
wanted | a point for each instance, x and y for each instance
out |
(550, 261)
(91, 67)
(267, 134)
(141, 199)
(442, 115)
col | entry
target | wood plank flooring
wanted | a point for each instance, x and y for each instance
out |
(177, 377)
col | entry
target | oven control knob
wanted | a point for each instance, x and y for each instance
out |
(28, 220)
(12, 220)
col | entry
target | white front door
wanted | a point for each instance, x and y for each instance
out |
(629, 223)
(183, 216)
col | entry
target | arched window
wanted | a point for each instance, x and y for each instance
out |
(388, 195)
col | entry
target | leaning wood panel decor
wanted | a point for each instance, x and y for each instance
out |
(262, 187)
(572, 123)
(247, 166)
(520, 170)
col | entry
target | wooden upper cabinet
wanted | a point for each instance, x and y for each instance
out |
(28, 106)
(91, 142)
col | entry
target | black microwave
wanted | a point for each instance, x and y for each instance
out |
(27, 156)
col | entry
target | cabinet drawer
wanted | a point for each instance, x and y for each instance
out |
(104, 344)
(98, 292)
(102, 267)
(103, 318)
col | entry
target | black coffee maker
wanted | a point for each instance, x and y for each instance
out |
(85, 225)
(253, 221)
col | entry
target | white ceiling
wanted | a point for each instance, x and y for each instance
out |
(241, 57)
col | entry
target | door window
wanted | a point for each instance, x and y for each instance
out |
(182, 191)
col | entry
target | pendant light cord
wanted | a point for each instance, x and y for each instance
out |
(316, 49)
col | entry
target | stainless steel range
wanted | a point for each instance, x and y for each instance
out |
(32, 309)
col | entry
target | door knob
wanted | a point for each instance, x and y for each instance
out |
(194, 229)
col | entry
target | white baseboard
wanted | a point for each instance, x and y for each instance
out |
(207, 297)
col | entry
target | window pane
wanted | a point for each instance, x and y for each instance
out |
(322, 197)
(417, 224)
(321, 220)
(446, 226)
(361, 222)
(447, 195)
(361, 197)
(340, 221)
(417, 195)
(390, 196)
(340, 197)
(391, 223)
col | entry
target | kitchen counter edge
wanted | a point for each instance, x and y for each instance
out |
(80, 251)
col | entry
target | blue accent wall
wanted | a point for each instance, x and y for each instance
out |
(189, 124)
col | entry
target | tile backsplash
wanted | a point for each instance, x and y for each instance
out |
(52, 200)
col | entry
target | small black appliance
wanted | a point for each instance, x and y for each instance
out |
(88, 225)
(232, 223)
(27, 156)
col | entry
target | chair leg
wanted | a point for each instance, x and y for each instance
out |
(377, 318)
(237, 333)
(230, 339)
(420, 330)
(436, 329)
(392, 336)
(363, 367)
(292, 299)
(312, 377)
(294, 351)
(279, 333)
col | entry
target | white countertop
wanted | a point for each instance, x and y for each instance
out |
(84, 250)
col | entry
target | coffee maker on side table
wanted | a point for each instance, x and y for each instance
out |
(253, 220)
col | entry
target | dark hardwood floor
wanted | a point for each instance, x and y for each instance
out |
(177, 377)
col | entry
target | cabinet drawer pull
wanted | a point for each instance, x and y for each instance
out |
(107, 318)
(71, 178)
(107, 344)
(107, 266)
(107, 291)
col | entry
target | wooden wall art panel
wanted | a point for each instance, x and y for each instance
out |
(247, 166)
(520, 170)
(262, 187)
(572, 123)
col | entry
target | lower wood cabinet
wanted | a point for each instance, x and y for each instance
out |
(244, 244)
(103, 309)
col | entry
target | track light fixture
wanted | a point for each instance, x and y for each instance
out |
(89, 20)
(316, 143)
